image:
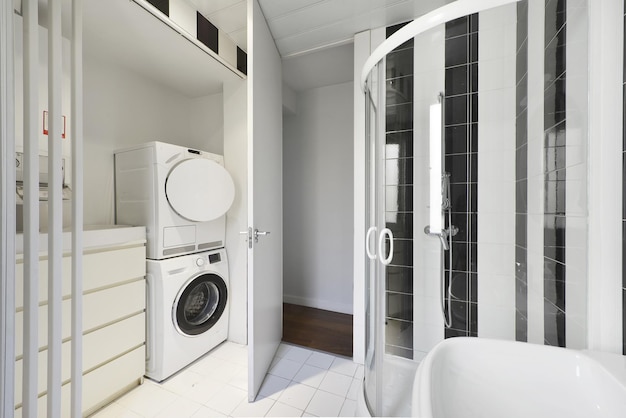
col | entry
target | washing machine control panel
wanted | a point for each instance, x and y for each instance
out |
(213, 258)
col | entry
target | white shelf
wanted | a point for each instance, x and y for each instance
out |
(137, 36)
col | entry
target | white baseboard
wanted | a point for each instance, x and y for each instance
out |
(319, 304)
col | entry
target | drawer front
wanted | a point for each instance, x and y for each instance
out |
(99, 347)
(101, 385)
(100, 270)
(99, 308)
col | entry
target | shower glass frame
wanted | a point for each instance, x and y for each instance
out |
(373, 85)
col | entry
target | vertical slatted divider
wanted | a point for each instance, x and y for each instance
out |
(77, 207)
(7, 213)
(31, 208)
(55, 215)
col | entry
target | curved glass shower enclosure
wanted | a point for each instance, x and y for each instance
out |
(476, 205)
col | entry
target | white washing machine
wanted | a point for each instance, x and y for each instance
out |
(180, 194)
(187, 310)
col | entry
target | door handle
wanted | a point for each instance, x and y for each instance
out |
(258, 233)
(370, 254)
(381, 246)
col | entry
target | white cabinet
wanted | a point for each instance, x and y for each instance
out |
(113, 320)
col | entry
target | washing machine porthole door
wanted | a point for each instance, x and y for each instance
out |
(201, 304)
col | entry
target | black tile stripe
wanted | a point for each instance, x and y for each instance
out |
(399, 212)
(521, 176)
(242, 60)
(162, 5)
(461, 161)
(207, 33)
(554, 271)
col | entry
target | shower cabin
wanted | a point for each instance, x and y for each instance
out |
(476, 189)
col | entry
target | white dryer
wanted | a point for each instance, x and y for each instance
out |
(187, 310)
(180, 194)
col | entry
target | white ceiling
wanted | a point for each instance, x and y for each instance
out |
(314, 37)
(301, 26)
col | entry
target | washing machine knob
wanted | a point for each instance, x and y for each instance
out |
(200, 262)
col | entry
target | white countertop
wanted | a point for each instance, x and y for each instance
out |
(94, 237)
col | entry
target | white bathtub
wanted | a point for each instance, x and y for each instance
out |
(476, 377)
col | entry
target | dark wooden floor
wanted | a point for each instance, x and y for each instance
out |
(318, 329)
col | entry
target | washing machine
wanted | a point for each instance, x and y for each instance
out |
(187, 310)
(180, 194)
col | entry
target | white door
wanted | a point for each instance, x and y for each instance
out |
(265, 202)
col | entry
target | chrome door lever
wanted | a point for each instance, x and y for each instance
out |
(257, 233)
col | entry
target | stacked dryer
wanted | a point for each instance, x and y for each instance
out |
(181, 195)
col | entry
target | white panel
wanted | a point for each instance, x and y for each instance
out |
(184, 15)
(227, 48)
(179, 235)
(496, 173)
(231, 18)
(99, 348)
(576, 237)
(497, 321)
(100, 270)
(429, 81)
(235, 161)
(7, 205)
(101, 385)
(100, 308)
(265, 259)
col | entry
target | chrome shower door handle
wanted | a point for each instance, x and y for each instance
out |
(381, 246)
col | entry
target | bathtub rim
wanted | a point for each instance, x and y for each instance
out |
(612, 363)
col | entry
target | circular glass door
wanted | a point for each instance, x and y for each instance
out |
(200, 304)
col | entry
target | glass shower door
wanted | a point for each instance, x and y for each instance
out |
(373, 324)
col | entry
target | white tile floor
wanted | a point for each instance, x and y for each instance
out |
(300, 382)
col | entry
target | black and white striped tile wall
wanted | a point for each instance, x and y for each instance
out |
(399, 209)
(461, 162)
(521, 175)
(509, 196)
(199, 27)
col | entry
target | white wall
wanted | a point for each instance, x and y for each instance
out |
(121, 109)
(318, 199)
(236, 162)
